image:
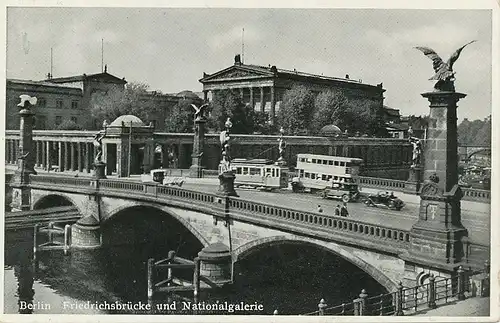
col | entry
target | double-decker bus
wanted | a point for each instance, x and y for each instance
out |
(317, 172)
(259, 173)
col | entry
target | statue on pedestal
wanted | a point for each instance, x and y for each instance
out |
(224, 141)
(98, 146)
(444, 71)
(226, 175)
(417, 151)
(281, 146)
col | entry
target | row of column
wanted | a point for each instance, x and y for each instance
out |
(56, 155)
(251, 101)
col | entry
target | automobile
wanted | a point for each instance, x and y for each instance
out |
(348, 192)
(383, 199)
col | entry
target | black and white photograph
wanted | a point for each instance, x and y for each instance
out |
(215, 161)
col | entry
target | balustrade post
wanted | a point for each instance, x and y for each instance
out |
(67, 237)
(399, 300)
(461, 283)
(432, 292)
(363, 309)
(151, 264)
(321, 307)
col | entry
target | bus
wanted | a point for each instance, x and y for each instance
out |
(317, 172)
(259, 173)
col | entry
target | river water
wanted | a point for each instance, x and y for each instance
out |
(289, 278)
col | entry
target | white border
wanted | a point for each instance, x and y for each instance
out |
(383, 4)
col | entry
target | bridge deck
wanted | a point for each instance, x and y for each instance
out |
(475, 215)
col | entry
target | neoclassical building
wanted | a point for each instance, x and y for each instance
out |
(69, 98)
(263, 87)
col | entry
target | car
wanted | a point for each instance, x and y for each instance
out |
(383, 199)
(348, 192)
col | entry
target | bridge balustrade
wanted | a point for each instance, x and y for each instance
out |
(381, 183)
(61, 180)
(397, 239)
(474, 194)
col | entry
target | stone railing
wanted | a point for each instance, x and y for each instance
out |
(470, 194)
(382, 183)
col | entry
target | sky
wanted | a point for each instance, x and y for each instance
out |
(170, 48)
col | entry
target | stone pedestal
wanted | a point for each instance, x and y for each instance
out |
(196, 169)
(215, 263)
(99, 170)
(86, 233)
(435, 240)
(412, 185)
(226, 184)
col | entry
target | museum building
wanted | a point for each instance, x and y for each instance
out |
(263, 87)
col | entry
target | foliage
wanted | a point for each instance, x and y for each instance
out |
(329, 108)
(181, 118)
(261, 123)
(477, 132)
(227, 104)
(130, 100)
(419, 122)
(295, 113)
(69, 125)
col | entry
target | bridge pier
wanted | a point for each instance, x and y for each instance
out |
(215, 263)
(86, 233)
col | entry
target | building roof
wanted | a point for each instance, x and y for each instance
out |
(105, 76)
(127, 121)
(246, 70)
(188, 94)
(330, 130)
(41, 83)
(391, 112)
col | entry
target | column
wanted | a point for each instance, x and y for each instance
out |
(262, 99)
(81, 156)
(47, 154)
(44, 154)
(252, 103)
(74, 156)
(8, 153)
(88, 157)
(16, 150)
(61, 156)
(37, 160)
(205, 95)
(67, 156)
(164, 156)
(273, 104)
(241, 94)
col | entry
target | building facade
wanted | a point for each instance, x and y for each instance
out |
(263, 87)
(69, 98)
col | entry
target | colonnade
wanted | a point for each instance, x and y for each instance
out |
(60, 156)
(252, 95)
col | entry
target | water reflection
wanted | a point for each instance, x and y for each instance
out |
(290, 278)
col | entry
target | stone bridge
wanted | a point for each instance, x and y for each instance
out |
(245, 226)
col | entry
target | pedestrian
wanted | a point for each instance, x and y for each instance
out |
(343, 210)
(320, 210)
(337, 210)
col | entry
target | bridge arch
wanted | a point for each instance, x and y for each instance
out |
(253, 246)
(114, 213)
(53, 200)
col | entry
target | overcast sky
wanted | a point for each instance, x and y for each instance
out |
(170, 48)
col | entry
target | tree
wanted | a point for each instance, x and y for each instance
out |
(329, 108)
(295, 113)
(228, 104)
(477, 132)
(182, 117)
(261, 123)
(134, 99)
(69, 125)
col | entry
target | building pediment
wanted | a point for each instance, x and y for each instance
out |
(236, 72)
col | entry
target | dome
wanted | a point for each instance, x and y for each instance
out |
(330, 130)
(188, 95)
(126, 120)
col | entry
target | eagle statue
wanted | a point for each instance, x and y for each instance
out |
(198, 112)
(444, 70)
(26, 98)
